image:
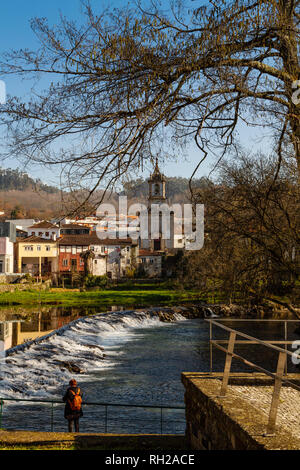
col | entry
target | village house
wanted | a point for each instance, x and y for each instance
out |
(150, 262)
(44, 229)
(7, 239)
(111, 257)
(74, 229)
(6, 255)
(36, 256)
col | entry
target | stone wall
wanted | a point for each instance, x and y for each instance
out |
(228, 423)
(32, 286)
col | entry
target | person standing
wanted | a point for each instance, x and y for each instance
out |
(73, 408)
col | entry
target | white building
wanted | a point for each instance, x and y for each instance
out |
(6, 255)
(44, 229)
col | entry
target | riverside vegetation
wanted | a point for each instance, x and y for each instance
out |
(142, 293)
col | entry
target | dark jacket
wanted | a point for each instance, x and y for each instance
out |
(69, 413)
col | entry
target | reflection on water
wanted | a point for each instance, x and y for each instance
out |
(18, 327)
(265, 330)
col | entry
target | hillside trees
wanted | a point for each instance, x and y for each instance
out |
(252, 245)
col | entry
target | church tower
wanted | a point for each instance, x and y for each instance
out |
(156, 195)
(157, 187)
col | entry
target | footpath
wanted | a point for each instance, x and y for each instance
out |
(27, 440)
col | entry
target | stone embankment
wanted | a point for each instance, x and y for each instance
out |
(266, 311)
(20, 286)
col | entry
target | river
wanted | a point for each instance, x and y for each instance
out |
(125, 357)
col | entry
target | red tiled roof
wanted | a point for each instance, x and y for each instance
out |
(74, 226)
(35, 239)
(92, 239)
(148, 253)
(43, 224)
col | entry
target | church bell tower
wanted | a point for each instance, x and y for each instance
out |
(157, 187)
(156, 195)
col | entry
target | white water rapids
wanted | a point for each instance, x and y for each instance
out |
(89, 343)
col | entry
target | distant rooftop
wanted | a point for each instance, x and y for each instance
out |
(34, 239)
(92, 239)
(43, 224)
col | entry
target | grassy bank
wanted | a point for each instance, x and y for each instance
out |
(74, 297)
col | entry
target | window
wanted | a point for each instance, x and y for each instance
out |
(40, 234)
(32, 233)
(65, 262)
(48, 248)
(28, 248)
(47, 234)
(38, 247)
(128, 248)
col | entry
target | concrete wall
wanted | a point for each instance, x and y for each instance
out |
(228, 423)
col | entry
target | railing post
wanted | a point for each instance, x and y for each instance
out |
(161, 420)
(228, 363)
(210, 348)
(1, 410)
(276, 393)
(52, 417)
(106, 418)
(286, 346)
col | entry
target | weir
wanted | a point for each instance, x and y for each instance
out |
(113, 353)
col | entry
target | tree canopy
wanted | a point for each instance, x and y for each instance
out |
(132, 83)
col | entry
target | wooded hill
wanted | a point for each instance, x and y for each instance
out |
(21, 196)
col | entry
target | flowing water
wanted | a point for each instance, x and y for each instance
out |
(125, 357)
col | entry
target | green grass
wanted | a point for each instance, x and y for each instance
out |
(108, 297)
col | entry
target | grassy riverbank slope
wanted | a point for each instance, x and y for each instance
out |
(75, 297)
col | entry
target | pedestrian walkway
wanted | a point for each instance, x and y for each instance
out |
(74, 441)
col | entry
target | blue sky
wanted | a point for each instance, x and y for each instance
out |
(15, 33)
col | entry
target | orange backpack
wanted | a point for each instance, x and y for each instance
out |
(75, 403)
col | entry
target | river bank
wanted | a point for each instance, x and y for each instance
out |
(140, 296)
(75, 297)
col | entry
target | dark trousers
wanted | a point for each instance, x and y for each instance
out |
(74, 422)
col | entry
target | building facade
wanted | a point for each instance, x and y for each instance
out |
(36, 256)
(45, 230)
(150, 262)
(111, 257)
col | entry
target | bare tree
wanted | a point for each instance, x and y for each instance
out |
(131, 83)
(252, 242)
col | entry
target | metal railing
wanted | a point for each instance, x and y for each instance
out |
(279, 376)
(106, 407)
